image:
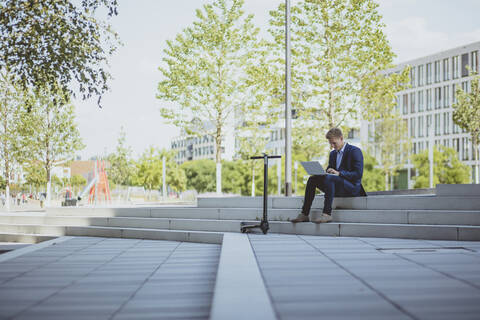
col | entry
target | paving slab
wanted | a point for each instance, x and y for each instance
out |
(102, 278)
(311, 277)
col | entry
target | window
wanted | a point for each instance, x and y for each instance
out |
(465, 86)
(474, 61)
(414, 148)
(454, 94)
(429, 99)
(429, 73)
(464, 65)
(429, 125)
(446, 96)
(437, 71)
(455, 67)
(438, 97)
(412, 127)
(420, 126)
(405, 103)
(446, 70)
(456, 128)
(412, 102)
(420, 75)
(465, 149)
(446, 142)
(456, 145)
(446, 122)
(420, 146)
(412, 77)
(420, 101)
(437, 124)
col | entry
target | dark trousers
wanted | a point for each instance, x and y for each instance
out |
(332, 186)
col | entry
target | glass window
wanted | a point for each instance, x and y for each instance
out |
(455, 67)
(420, 75)
(446, 96)
(456, 128)
(412, 102)
(465, 148)
(474, 61)
(438, 97)
(454, 93)
(412, 127)
(429, 125)
(437, 124)
(420, 126)
(446, 70)
(405, 103)
(412, 77)
(420, 101)
(446, 122)
(465, 86)
(429, 99)
(437, 71)
(464, 65)
(429, 73)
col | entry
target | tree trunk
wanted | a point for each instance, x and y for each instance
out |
(218, 158)
(253, 180)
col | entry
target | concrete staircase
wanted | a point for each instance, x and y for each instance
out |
(452, 213)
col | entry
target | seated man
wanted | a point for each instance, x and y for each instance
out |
(345, 166)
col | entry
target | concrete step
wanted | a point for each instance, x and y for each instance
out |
(144, 232)
(388, 202)
(209, 231)
(439, 217)
(24, 238)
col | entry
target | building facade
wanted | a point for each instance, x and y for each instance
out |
(426, 106)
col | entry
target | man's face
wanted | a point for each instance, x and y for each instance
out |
(336, 143)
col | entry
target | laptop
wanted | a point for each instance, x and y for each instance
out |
(314, 168)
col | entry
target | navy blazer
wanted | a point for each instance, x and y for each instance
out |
(351, 168)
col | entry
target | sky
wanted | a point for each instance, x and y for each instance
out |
(415, 28)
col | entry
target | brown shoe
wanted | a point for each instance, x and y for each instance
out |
(323, 218)
(300, 218)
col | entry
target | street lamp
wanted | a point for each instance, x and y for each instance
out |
(288, 106)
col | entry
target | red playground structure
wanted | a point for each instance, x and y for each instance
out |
(100, 189)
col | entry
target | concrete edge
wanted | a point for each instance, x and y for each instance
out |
(31, 248)
(239, 289)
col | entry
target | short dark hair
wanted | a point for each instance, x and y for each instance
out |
(334, 133)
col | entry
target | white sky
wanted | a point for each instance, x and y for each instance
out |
(415, 28)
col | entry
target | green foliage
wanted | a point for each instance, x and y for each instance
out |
(466, 115)
(338, 51)
(149, 173)
(3, 183)
(446, 168)
(373, 178)
(52, 136)
(78, 180)
(121, 165)
(200, 175)
(35, 174)
(12, 120)
(57, 41)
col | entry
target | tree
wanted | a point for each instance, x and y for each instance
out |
(150, 169)
(35, 174)
(12, 99)
(53, 136)
(121, 166)
(200, 175)
(447, 168)
(51, 42)
(373, 177)
(338, 50)
(466, 115)
(77, 181)
(204, 71)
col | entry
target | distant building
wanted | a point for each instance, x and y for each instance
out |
(428, 102)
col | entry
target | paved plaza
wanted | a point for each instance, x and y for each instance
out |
(305, 277)
(104, 278)
(311, 277)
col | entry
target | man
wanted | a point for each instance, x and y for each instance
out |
(345, 168)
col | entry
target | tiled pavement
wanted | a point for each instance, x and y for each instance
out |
(311, 277)
(102, 278)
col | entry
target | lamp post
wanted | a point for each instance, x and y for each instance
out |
(288, 105)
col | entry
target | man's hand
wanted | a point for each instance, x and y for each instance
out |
(333, 171)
